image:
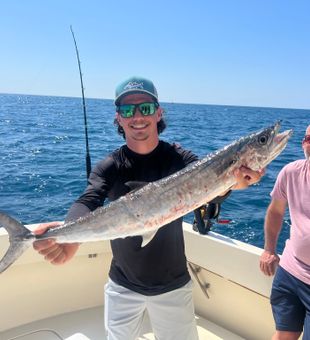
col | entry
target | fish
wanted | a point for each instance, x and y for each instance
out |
(144, 210)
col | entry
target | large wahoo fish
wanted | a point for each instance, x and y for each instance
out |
(143, 211)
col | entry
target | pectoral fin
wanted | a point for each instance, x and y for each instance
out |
(146, 238)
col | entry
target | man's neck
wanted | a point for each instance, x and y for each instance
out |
(142, 147)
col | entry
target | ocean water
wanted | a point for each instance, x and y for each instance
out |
(42, 154)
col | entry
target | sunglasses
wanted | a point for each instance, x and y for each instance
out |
(306, 139)
(128, 110)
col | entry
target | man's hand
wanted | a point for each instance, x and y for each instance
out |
(246, 177)
(54, 252)
(268, 262)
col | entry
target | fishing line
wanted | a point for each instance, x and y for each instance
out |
(88, 161)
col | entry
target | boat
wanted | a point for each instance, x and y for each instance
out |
(40, 301)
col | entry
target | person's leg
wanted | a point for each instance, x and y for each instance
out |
(124, 311)
(172, 314)
(282, 335)
(287, 307)
(304, 294)
(306, 334)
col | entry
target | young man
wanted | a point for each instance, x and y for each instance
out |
(290, 295)
(155, 277)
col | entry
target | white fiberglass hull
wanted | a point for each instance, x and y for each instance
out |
(36, 295)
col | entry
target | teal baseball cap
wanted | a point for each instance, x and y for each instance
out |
(135, 85)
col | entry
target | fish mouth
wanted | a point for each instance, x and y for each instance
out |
(283, 137)
(280, 139)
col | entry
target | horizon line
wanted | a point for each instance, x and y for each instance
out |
(167, 102)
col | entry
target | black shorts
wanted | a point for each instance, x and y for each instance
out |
(290, 301)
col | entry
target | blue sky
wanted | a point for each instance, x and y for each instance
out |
(234, 52)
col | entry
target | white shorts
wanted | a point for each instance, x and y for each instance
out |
(171, 314)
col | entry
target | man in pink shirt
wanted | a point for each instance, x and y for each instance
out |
(290, 295)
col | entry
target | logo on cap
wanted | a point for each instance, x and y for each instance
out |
(134, 85)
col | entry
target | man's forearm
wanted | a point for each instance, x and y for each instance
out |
(273, 225)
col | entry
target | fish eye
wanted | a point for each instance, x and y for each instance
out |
(262, 139)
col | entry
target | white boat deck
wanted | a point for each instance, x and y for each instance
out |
(88, 324)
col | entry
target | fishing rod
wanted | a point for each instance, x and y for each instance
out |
(88, 161)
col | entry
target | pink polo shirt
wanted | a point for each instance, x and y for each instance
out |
(293, 186)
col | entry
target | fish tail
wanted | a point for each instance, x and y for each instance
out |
(19, 237)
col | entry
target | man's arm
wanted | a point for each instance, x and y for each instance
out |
(273, 224)
(53, 252)
(92, 198)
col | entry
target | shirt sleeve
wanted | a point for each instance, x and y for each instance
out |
(279, 190)
(187, 156)
(99, 183)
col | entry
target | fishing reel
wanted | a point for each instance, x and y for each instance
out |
(207, 214)
(203, 217)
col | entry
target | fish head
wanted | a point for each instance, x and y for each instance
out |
(257, 150)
